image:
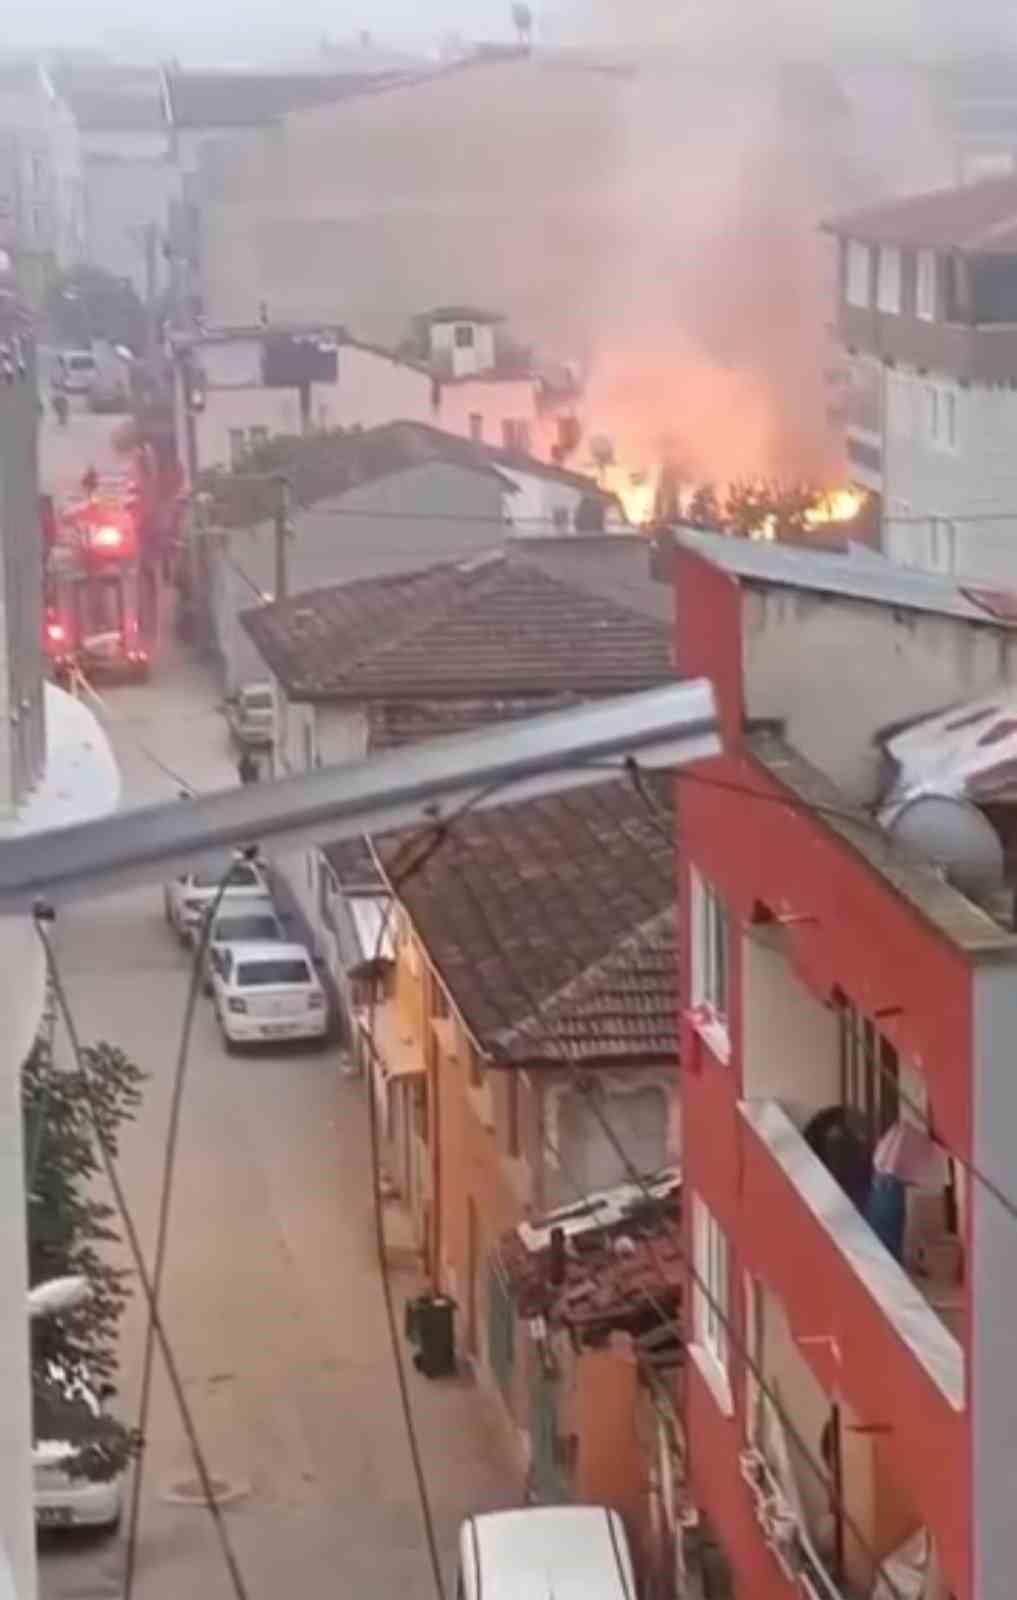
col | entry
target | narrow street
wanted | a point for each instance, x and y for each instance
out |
(272, 1298)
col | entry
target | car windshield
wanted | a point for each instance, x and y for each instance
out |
(257, 700)
(254, 929)
(242, 876)
(259, 974)
(80, 363)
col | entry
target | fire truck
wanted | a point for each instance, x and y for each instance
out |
(101, 588)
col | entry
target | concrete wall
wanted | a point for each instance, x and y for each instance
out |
(926, 478)
(993, 1251)
(800, 649)
(790, 1040)
(478, 356)
(239, 410)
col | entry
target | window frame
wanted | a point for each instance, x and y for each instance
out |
(925, 285)
(711, 1301)
(858, 275)
(464, 336)
(710, 939)
(889, 277)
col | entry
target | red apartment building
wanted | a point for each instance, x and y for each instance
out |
(850, 1403)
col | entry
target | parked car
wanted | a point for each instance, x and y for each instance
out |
(188, 898)
(251, 716)
(245, 921)
(75, 371)
(543, 1552)
(66, 1414)
(267, 992)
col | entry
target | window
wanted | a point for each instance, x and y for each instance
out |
(308, 746)
(948, 419)
(925, 285)
(463, 336)
(709, 950)
(477, 426)
(515, 434)
(710, 1296)
(560, 518)
(237, 448)
(856, 287)
(888, 287)
(869, 1073)
(258, 438)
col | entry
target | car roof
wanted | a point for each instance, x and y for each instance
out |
(253, 950)
(549, 1553)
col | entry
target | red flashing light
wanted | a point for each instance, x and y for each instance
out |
(55, 632)
(108, 537)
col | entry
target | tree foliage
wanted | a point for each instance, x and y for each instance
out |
(70, 1232)
(87, 303)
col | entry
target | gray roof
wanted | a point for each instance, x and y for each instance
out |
(880, 582)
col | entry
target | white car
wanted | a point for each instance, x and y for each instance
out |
(243, 921)
(64, 1499)
(268, 992)
(188, 898)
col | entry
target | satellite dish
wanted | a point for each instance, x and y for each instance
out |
(956, 836)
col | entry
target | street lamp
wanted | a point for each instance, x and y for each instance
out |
(57, 1295)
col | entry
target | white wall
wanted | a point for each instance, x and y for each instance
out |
(799, 647)
(278, 410)
(932, 471)
(373, 389)
(230, 362)
(496, 401)
(475, 357)
(790, 1049)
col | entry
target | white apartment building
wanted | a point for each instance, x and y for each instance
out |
(42, 201)
(927, 318)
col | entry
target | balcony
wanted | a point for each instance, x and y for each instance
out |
(838, 1240)
(985, 353)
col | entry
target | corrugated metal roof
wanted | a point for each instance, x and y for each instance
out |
(878, 581)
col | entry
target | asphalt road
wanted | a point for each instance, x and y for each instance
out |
(272, 1299)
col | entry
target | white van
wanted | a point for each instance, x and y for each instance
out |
(76, 371)
(545, 1553)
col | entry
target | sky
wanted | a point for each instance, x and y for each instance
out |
(201, 25)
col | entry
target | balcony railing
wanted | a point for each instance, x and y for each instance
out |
(885, 1283)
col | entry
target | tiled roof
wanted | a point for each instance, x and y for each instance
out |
(614, 565)
(603, 1287)
(551, 923)
(397, 722)
(490, 627)
(976, 219)
(225, 99)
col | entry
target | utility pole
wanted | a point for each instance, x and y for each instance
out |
(151, 245)
(282, 533)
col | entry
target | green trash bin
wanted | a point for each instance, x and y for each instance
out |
(434, 1335)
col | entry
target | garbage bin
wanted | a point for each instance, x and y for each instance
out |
(411, 1318)
(434, 1335)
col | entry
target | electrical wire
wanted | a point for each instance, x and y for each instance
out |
(198, 964)
(816, 1467)
(43, 913)
(666, 827)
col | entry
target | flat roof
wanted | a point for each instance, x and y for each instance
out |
(868, 578)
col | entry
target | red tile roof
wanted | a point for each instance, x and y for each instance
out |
(551, 922)
(621, 1275)
(978, 219)
(493, 627)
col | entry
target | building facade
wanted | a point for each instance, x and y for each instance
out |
(926, 313)
(42, 199)
(844, 1000)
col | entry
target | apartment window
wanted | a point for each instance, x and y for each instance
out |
(477, 426)
(856, 286)
(515, 434)
(925, 285)
(888, 286)
(710, 1290)
(941, 554)
(463, 336)
(710, 950)
(869, 1074)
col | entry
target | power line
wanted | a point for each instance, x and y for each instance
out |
(575, 1074)
(165, 1203)
(42, 914)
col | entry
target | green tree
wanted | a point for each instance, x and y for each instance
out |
(70, 1231)
(87, 303)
